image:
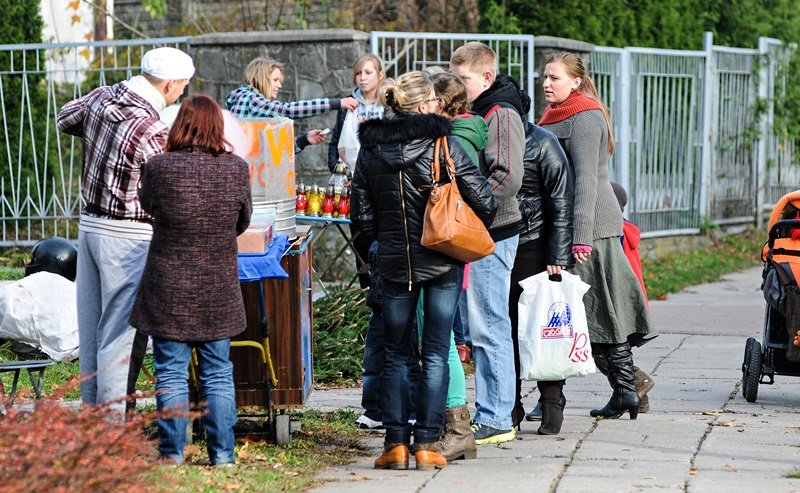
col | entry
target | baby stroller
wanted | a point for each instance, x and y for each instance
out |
(781, 256)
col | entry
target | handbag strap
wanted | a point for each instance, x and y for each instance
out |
(450, 166)
(435, 171)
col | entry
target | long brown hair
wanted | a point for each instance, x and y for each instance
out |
(574, 67)
(450, 90)
(199, 126)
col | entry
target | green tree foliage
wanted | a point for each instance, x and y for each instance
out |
(156, 9)
(676, 24)
(24, 94)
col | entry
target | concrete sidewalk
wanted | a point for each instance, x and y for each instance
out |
(701, 435)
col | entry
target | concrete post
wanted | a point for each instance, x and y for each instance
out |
(547, 46)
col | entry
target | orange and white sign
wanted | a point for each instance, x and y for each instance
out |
(270, 154)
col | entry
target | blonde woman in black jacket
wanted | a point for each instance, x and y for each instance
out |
(391, 186)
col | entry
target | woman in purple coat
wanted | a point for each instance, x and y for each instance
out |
(199, 196)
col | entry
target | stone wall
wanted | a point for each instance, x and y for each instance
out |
(319, 63)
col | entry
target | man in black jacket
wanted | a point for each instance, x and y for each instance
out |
(545, 243)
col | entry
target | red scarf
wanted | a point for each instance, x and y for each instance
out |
(575, 103)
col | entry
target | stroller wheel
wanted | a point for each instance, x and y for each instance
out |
(751, 369)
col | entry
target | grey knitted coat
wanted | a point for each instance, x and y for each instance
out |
(584, 137)
(190, 286)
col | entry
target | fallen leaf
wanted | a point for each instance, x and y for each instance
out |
(361, 478)
(192, 450)
(729, 468)
(693, 472)
(717, 412)
(728, 424)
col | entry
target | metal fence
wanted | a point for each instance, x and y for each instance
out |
(403, 52)
(39, 166)
(697, 136)
(697, 140)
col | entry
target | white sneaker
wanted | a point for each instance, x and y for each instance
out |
(366, 423)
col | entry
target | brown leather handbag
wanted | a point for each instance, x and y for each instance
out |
(450, 226)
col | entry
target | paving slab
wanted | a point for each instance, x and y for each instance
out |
(701, 435)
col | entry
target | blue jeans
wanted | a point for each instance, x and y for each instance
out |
(171, 361)
(461, 323)
(490, 329)
(399, 311)
(373, 366)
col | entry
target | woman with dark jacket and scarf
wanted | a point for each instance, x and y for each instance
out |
(615, 306)
(545, 243)
(391, 186)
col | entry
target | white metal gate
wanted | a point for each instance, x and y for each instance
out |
(732, 180)
(404, 51)
(696, 133)
(39, 183)
(655, 98)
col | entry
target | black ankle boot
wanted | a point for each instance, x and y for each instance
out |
(552, 407)
(620, 375)
(517, 415)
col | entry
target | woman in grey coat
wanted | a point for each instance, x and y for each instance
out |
(615, 306)
(199, 196)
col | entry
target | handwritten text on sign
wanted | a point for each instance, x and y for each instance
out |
(271, 157)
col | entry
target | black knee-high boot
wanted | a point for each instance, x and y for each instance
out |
(644, 382)
(621, 377)
(553, 402)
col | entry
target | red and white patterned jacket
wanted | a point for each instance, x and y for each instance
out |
(121, 131)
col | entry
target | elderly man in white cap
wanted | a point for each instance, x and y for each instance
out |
(120, 128)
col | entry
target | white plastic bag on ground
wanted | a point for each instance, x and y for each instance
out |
(41, 310)
(553, 334)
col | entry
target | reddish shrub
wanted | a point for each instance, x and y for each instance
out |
(57, 449)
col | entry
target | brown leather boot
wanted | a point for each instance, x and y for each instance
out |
(428, 456)
(644, 405)
(394, 456)
(644, 383)
(458, 441)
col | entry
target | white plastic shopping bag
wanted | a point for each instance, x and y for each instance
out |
(553, 334)
(348, 140)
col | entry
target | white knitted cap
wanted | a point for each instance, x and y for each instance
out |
(168, 64)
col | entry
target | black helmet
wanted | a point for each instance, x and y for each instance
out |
(55, 255)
